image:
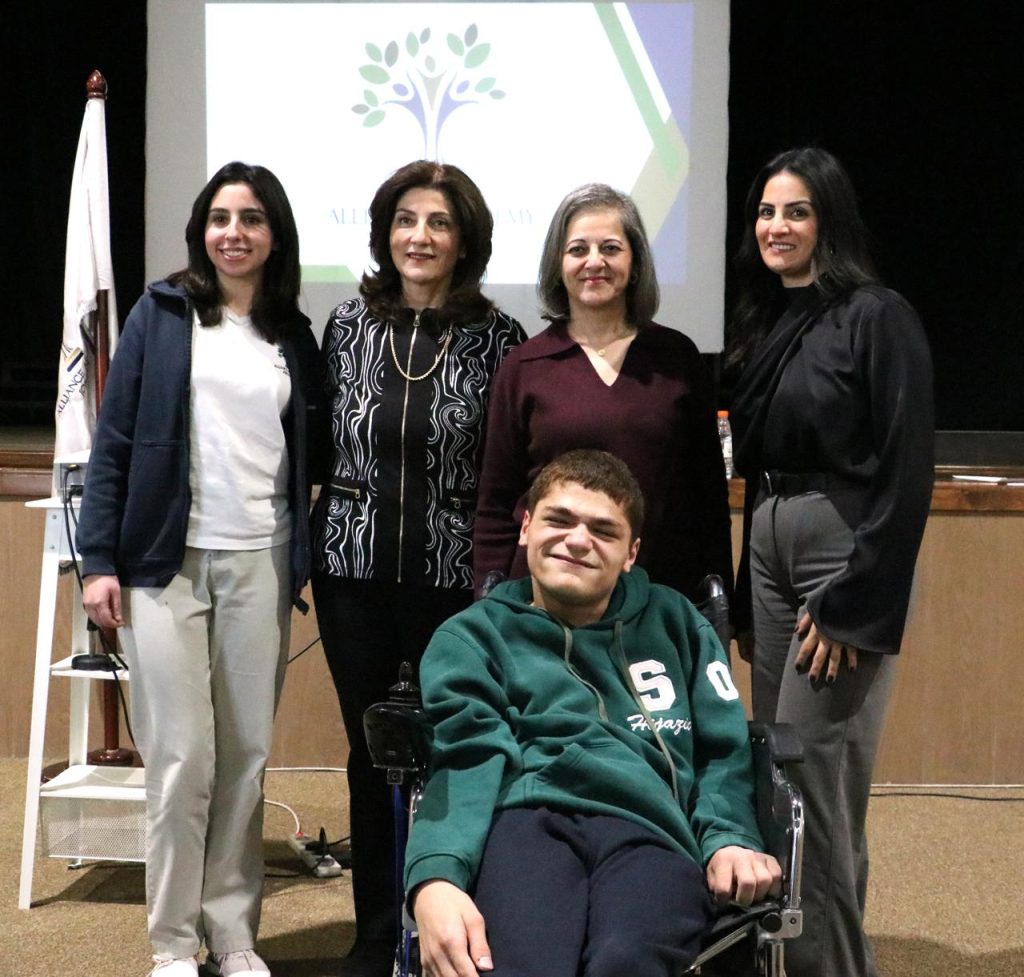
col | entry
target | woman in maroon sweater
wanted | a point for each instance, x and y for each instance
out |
(604, 375)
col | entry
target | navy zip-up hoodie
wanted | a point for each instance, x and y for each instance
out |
(134, 514)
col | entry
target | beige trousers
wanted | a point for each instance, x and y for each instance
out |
(207, 655)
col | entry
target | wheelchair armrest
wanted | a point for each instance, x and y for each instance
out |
(780, 816)
(780, 820)
(780, 739)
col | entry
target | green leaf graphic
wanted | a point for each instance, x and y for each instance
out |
(409, 72)
(374, 73)
(478, 55)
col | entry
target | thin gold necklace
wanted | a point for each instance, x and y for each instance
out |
(440, 356)
(630, 331)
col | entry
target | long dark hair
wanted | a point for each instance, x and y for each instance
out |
(275, 312)
(842, 259)
(642, 294)
(382, 289)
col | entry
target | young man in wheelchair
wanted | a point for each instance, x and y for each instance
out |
(590, 793)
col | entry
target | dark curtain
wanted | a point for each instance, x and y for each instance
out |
(924, 105)
(48, 49)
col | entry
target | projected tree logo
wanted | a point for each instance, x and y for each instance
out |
(429, 85)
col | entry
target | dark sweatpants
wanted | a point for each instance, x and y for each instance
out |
(565, 895)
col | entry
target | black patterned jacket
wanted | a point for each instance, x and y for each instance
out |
(407, 403)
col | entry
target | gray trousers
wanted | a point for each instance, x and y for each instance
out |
(797, 544)
(207, 655)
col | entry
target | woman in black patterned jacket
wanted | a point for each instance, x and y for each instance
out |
(408, 366)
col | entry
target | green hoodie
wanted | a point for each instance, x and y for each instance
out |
(528, 712)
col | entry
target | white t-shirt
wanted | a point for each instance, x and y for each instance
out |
(238, 470)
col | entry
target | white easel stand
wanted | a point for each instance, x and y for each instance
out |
(85, 815)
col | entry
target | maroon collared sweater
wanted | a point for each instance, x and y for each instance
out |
(658, 417)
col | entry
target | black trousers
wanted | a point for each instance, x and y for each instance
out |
(566, 895)
(368, 629)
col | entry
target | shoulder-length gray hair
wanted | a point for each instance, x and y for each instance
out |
(642, 296)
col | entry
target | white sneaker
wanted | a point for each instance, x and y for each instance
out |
(175, 966)
(238, 963)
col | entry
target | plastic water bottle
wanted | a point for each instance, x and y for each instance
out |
(725, 436)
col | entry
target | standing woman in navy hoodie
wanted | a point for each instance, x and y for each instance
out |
(195, 543)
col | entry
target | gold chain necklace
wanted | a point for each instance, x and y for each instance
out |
(602, 351)
(440, 356)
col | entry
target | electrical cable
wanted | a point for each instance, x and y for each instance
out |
(285, 807)
(956, 797)
(298, 826)
(298, 654)
(109, 648)
(307, 770)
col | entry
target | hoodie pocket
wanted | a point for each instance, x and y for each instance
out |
(151, 532)
(574, 767)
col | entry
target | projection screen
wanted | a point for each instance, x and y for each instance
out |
(530, 99)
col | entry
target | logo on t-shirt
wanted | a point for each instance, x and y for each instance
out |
(281, 363)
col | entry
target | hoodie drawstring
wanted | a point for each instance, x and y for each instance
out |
(601, 710)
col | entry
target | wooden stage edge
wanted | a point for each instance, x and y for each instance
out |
(26, 467)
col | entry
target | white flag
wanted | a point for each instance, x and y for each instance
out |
(87, 271)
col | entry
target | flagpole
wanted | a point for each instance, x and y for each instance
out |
(112, 754)
(96, 87)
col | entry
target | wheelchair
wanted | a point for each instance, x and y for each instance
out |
(743, 940)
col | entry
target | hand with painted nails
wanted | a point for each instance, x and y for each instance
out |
(819, 655)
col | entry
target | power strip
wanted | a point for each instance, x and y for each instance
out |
(315, 856)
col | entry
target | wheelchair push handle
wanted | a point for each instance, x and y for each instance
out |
(398, 733)
(405, 691)
(714, 605)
